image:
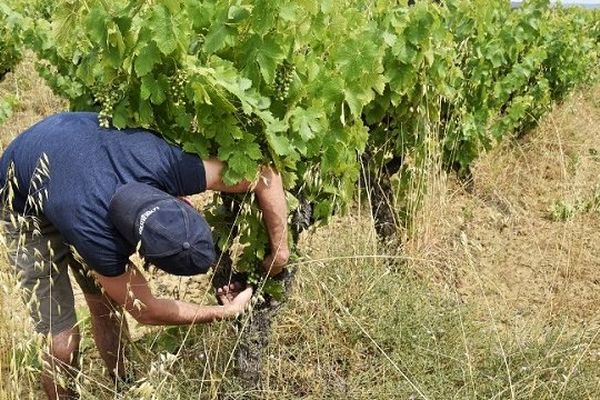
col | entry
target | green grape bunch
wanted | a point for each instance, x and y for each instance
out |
(284, 76)
(178, 84)
(107, 99)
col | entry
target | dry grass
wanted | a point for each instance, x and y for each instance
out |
(528, 261)
(18, 349)
(491, 298)
(34, 98)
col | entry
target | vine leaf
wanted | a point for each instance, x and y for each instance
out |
(147, 57)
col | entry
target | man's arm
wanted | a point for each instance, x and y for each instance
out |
(131, 291)
(271, 199)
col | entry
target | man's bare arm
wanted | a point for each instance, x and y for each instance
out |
(131, 291)
(271, 199)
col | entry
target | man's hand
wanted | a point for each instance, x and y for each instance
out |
(234, 299)
(274, 262)
(131, 291)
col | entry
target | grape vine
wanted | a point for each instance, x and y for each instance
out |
(465, 75)
(308, 86)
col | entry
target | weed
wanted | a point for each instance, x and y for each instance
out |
(563, 210)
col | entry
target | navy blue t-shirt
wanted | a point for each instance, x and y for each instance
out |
(86, 164)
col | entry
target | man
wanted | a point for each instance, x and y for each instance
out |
(96, 196)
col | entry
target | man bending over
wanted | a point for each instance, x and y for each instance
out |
(105, 194)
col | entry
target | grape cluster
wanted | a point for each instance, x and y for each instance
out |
(283, 80)
(195, 125)
(107, 100)
(178, 83)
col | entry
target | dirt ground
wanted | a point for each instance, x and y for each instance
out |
(35, 100)
(523, 245)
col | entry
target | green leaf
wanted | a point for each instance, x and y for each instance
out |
(280, 144)
(268, 55)
(174, 6)
(148, 87)
(159, 90)
(162, 26)
(306, 122)
(274, 289)
(252, 150)
(96, 24)
(146, 116)
(289, 12)
(196, 146)
(242, 164)
(147, 57)
(354, 102)
(217, 39)
(389, 38)
(326, 6)
(121, 114)
(237, 14)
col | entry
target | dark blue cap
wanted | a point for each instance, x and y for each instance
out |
(172, 235)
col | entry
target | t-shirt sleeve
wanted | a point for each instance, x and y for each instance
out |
(104, 250)
(102, 256)
(188, 174)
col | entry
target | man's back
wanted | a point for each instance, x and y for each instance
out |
(85, 166)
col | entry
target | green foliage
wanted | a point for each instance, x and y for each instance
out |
(6, 107)
(305, 86)
(472, 72)
(10, 52)
(466, 75)
(265, 83)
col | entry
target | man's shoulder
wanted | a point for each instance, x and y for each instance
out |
(85, 125)
(63, 124)
(68, 117)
